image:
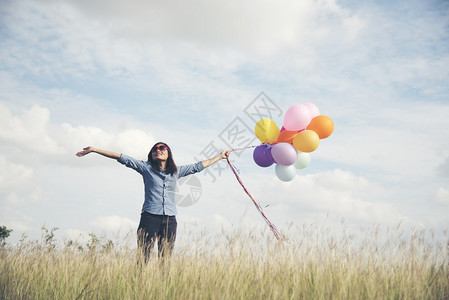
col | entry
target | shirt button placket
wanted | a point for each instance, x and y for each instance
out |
(163, 197)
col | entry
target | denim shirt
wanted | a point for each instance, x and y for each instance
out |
(160, 187)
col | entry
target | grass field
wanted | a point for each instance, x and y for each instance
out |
(317, 263)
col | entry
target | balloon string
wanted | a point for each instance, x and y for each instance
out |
(239, 149)
(270, 142)
(273, 228)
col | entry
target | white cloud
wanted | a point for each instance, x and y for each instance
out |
(74, 137)
(14, 176)
(338, 192)
(133, 142)
(221, 222)
(13, 217)
(13, 200)
(76, 235)
(173, 47)
(443, 168)
(64, 42)
(353, 25)
(28, 131)
(442, 196)
(114, 224)
(393, 139)
(262, 27)
(187, 220)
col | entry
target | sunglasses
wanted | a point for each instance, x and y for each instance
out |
(161, 148)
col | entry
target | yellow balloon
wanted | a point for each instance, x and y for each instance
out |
(306, 141)
(267, 131)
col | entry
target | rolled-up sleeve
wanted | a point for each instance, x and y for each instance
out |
(190, 169)
(132, 163)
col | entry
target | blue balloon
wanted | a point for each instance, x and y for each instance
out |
(262, 156)
(285, 173)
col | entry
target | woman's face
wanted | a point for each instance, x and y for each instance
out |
(160, 152)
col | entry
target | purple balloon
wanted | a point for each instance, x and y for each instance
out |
(262, 156)
(284, 154)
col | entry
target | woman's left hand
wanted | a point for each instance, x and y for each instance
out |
(225, 154)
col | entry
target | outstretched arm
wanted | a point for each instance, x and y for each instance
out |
(106, 153)
(224, 154)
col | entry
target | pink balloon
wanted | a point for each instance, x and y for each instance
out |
(313, 109)
(297, 117)
(284, 154)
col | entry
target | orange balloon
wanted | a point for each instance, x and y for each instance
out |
(322, 125)
(306, 141)
(286, 136)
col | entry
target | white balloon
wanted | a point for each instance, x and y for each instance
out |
(285, 173)
(303, 160)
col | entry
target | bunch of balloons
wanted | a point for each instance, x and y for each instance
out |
(290, 146)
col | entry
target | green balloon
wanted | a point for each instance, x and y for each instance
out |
(302, 161)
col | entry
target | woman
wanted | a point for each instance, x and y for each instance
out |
(160, 174)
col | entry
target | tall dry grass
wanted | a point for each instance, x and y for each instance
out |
(317, 263)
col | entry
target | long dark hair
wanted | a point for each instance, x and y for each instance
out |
(170, 166)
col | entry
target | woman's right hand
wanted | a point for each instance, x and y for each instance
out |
(85, 151)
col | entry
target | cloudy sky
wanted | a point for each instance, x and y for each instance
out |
(122, 75)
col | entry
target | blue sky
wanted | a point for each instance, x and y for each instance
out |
(122, 76)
